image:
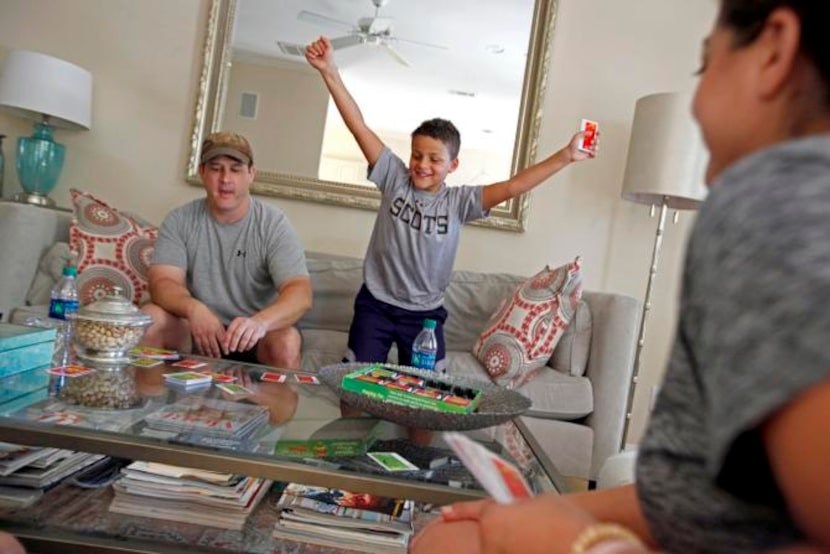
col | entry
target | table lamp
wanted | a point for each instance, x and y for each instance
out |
(665, 169)
(54, 93)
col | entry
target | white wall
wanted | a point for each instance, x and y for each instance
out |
(145, 58)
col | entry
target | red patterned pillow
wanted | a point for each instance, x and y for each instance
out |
(113, 249)
(521, 336)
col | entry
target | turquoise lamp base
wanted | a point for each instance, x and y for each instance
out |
(32, 198)
(39, 164)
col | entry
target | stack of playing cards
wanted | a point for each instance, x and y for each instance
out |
(187, 379)
(154, 353)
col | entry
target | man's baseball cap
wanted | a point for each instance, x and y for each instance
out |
(225, 143)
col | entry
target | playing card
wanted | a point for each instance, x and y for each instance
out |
(70, 370)
(392, 461)
(153, 352)
(234, 390)
(501, 479)
(589, 140)
(272, 377)
(306, 379)
(189, 364)
(219, 377)
(146, 362)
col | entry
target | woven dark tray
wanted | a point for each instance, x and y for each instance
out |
(497, 404)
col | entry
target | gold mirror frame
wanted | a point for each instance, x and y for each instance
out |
(210, 101)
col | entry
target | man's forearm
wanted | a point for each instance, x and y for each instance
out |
(172, 297)
(293, 301)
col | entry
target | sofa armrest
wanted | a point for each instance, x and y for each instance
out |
(27, 231)
(610, 369)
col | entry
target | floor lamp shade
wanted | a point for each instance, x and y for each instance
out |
(55, 93)
(666, 156)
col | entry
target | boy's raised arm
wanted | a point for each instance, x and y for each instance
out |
(320, 54)
(530, 177)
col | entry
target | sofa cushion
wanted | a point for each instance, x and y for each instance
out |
(113, 249)
(335, 281)
(522, 334)
(558, 396)
(571, 354)
(49, 272)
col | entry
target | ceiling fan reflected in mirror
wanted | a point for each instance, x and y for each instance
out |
(373, 31)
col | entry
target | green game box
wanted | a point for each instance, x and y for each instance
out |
(411, 390)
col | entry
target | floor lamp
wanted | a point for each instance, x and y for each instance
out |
(665, 169)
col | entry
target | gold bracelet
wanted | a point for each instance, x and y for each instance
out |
(601, 532)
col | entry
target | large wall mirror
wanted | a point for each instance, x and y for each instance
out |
(480, 63)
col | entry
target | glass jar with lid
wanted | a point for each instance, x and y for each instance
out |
(105, 330)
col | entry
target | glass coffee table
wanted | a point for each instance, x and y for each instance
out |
(290, 431)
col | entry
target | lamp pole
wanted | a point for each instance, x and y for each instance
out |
(641, 335)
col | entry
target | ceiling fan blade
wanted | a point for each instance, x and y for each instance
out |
(419, 43)
(346, 41)
(325, 21)
(395, 55)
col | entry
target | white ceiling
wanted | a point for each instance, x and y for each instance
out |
(469, 29)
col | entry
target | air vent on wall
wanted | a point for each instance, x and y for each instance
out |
(248, 105)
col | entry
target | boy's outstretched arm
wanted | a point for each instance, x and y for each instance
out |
(532, 176)
(320, 54)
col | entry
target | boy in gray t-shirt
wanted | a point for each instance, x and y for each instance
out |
(410, 255)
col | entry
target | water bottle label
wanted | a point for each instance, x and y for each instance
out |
(69, 307)
(423, 360)
(56, 309)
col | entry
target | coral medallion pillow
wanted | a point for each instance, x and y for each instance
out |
(113, 249)
(520, 337)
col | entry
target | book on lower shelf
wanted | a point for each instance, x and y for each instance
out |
(341, 519)
(187, 495)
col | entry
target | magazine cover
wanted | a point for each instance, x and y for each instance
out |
(343, 504)
(208, 416)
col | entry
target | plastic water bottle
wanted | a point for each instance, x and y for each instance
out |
(425, 347)
(64, 301)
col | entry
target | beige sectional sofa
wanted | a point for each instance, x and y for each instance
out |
(579, 405)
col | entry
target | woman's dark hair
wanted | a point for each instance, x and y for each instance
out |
(747, 17)
(443, 130)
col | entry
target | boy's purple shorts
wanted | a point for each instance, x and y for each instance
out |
(377, 325)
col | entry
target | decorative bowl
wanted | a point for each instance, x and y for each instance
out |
(105, 330)
(497, 405)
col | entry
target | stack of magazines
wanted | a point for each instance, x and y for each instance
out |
(341, 519)
(187, 495)
(209, 416)
(26, 471)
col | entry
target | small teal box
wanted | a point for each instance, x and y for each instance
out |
(23, 348)
(23, 382)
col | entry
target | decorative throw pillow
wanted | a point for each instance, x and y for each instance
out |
(113, 249)
(521, 336)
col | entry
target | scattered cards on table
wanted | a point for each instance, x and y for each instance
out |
(234, 390)
(70, 370)
(306, 379)
(155, 353)
(219, 377)
(146, 362)
(187, 379)
(272, 377)
(392, 461)
(189, 364)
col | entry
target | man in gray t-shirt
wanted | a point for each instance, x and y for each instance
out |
(228, 271)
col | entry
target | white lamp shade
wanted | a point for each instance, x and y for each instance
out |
(666, 155)
(34, 84)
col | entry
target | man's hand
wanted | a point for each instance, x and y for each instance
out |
(242, 334)
(207, 330)
(319, 54)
